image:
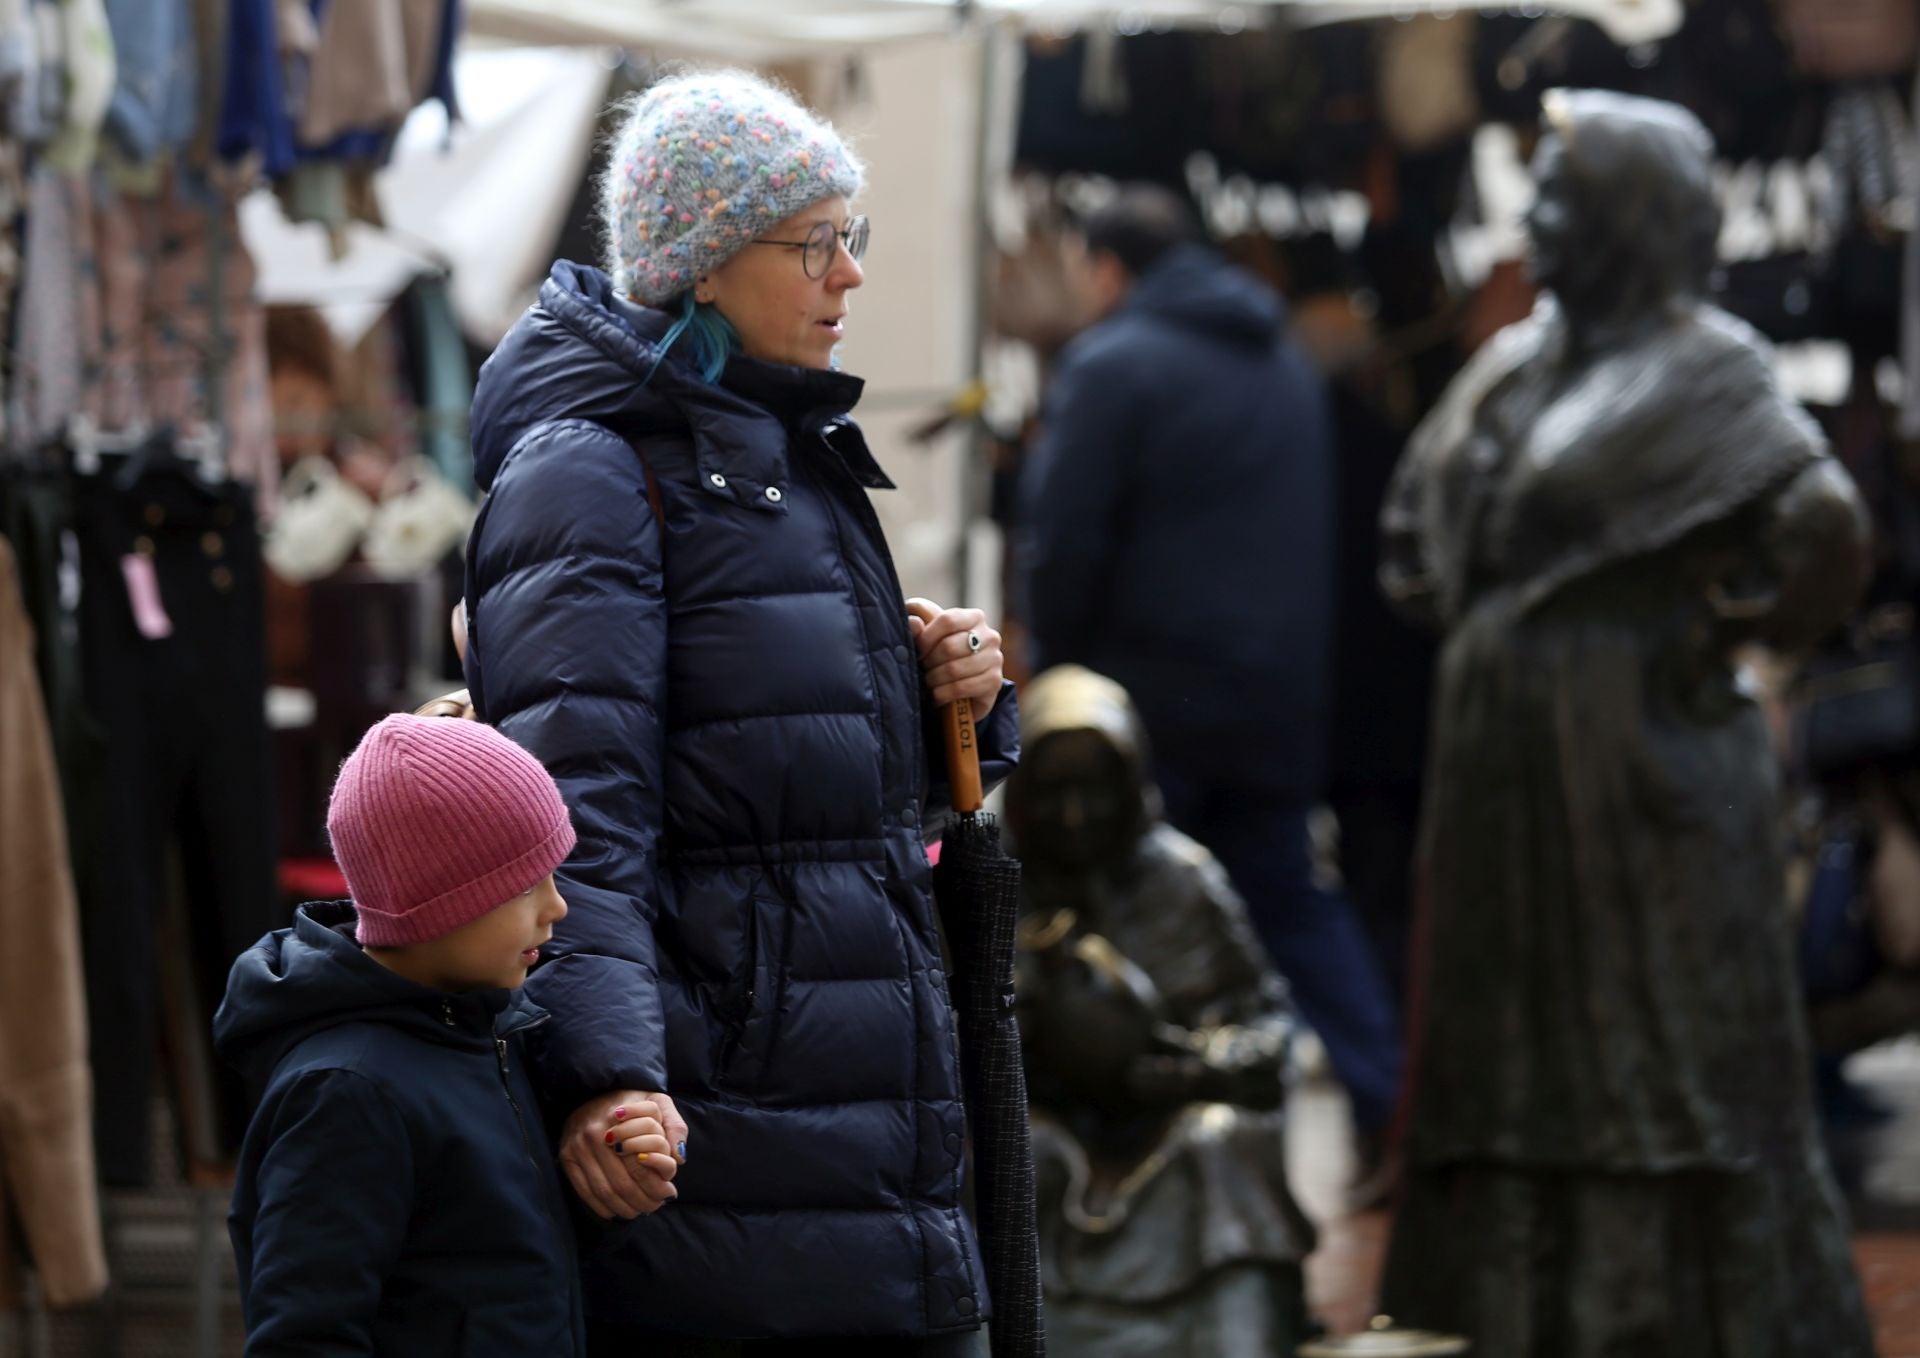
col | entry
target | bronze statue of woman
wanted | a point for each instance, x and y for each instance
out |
(1610, 1143)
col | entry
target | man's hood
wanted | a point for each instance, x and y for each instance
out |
(1192, 288)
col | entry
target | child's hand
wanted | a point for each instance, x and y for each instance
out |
(621, 1151)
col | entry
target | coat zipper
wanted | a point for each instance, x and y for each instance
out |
(870, 520)
(542, 1176)
(903, 636)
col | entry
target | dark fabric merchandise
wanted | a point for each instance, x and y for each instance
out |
(1180, 536)
(396, 1193)
(36, 513)
(734, 710)
(187, 769)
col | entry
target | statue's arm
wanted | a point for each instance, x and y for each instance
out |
(1808, 566)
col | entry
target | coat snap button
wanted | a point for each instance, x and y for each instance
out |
(964, 1306)
(953, 1142)
(719, 481)
(773, 494)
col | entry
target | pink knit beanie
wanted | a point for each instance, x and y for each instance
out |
(435, 822)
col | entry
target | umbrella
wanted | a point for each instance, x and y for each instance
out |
(978, 890)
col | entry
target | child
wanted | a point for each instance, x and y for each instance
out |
(396, 1193)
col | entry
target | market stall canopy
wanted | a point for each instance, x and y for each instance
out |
(484, 204)
(751, 30)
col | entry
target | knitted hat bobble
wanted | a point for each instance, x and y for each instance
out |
(701, 165)
(437, 822)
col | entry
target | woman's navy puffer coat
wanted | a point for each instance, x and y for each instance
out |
(734, 710)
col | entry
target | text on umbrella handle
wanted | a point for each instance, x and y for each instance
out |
(963, 757)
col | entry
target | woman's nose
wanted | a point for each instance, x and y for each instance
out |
(846, 272)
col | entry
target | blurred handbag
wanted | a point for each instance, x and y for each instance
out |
(1861, 707)
(421, 517)
(322, 517)
(1851, 39)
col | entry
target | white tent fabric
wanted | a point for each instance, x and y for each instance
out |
(485, 205)
(763, 29)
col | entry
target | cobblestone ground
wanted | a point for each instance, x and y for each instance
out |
(1879, 1167)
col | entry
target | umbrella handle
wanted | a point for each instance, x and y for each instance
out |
(963, 757)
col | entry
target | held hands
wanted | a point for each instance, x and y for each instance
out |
(953, 668)
(621, 1151)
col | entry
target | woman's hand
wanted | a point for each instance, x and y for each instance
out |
(621, 1151)
(959, 654)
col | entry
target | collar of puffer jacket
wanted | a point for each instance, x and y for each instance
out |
(585, 352)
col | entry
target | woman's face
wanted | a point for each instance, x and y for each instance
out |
(782, 315)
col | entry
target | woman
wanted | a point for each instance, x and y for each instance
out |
(1610, 1145)
(680, 599)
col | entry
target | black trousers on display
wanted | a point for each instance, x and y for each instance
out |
(188, 782)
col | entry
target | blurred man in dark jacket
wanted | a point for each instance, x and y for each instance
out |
(1179, 516)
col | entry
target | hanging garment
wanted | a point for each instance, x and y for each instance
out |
(156, 97)
(1910, 321)
(1869, 148)
(19, 61)
(37, 102)
(199, 255)
(373, 63)
(1851, 39)
(171, 631)
(56, 336)
(212, 20)
(80, 32)
(161, 263)
(253, 109)
(1425, 83)
(46, 1092)
(13, 193)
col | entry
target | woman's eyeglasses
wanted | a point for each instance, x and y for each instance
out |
(822, 245)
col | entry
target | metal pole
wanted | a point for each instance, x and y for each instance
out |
(973, 474)
(215, 380)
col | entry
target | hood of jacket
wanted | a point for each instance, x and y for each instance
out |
(299, 981)
(585, 352)
(1193, 288)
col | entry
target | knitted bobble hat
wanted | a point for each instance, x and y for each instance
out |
(703, 164)
(437, 822)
